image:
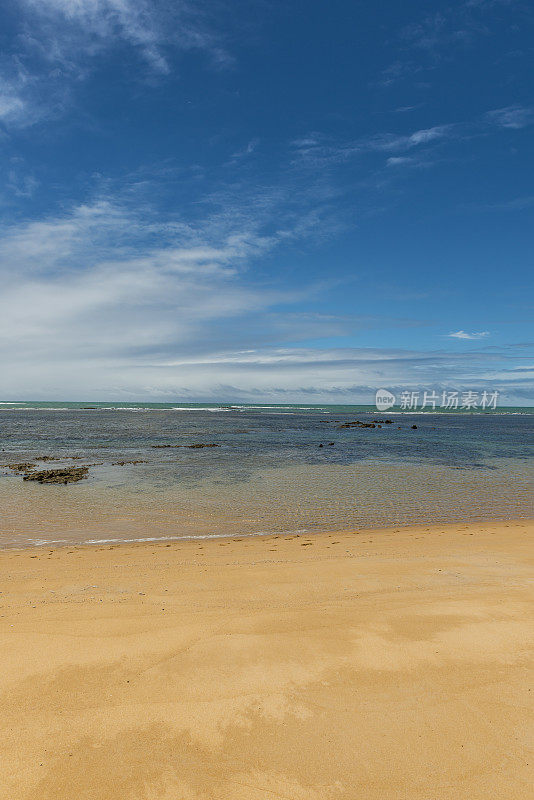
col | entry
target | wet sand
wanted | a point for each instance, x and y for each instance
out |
(381, 665)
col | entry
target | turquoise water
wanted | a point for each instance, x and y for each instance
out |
(275, 468)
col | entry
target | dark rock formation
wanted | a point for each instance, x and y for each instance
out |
(191, 446)
(122, 463)
(25, 467)
(357, 424)
(67, 475)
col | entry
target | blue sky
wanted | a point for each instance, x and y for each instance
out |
(264, 200)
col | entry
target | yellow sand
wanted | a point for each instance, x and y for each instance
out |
(375, 665)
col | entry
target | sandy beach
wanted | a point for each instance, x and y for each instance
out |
(385, 665)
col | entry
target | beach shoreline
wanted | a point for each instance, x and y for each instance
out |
(183, 538)
(270, 473)
(389, 663)
(124, 540)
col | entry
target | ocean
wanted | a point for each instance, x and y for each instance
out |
(268, 472)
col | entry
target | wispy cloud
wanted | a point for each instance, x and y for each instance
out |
(319, 150)
(19, 181)
(434, 36)
(152, 28)
(112, 280)
(60, 41)
(466, 335)
(396, 72)
(244, 152)
(515, 117)
(166, 307)
(91, 284)
(402, 161)
(315, 148)
(20, 103)
(437, 29)
(392, 142)
(11, 104)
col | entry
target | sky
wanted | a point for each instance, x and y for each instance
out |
(266, 201)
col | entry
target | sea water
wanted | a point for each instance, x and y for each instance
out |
(268, 472)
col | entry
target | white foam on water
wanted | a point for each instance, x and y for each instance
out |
(201, 408)
(180, 538)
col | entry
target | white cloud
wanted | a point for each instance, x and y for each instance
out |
(111, 301)
(514, 117)
(93, 287)
(465, 335)
(11, 106)
(21, 184)
(91, 24)
(245, 151)
(390, 141)
(59, 42)
(19, 103)
(401, 161)
(317, 149)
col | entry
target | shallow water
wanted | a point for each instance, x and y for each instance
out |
(268, 474)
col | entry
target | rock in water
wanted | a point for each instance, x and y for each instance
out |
(357, 424)
(67, 475)
(26, 467)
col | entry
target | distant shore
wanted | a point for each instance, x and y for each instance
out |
(329, 666)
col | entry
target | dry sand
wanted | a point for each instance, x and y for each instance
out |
(377, 665)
